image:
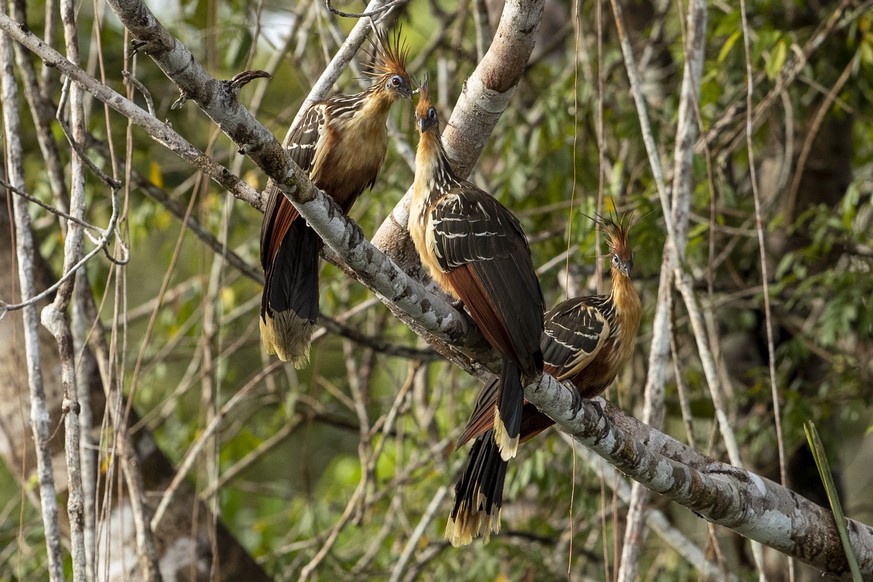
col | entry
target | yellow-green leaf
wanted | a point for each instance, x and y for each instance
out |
(728, 45)
(777, 59)
(155, 175)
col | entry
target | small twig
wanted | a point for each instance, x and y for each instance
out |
(682, 391)
(48, 207)
(817, 120)
(147, 95)
(375, 343)
(412, 542)
(344, 519)
(376, 543)
(369, 14)
(254, 455)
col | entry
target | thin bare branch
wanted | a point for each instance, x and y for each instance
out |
(659, 354)
(57, 321)
(25, 252)
(370, 14)
(48, 207)
(417, 533)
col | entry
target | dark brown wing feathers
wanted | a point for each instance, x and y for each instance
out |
(570, 327)
(280, 213)
(483, 248)
(574, 329)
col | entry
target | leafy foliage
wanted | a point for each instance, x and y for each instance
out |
(369, 435)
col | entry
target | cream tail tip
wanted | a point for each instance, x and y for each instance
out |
(288, 337)
(507, 446)
(464, 527)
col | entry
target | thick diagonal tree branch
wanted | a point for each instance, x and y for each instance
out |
(732, 497)
(749, 504)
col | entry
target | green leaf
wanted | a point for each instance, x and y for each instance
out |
(824, 471)
(728, 45)
(777, 59)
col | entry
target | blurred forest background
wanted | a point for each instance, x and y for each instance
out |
(344, 470)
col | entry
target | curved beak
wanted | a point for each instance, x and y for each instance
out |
(626, 267)
(425, 123)
(406, 90)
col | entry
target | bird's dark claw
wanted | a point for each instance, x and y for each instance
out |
(240, 80)
(183, 97)
(137, 46)
(576, 401)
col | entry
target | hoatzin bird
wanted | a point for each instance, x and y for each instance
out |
(587, 340)
(476, 251)
(341, 144)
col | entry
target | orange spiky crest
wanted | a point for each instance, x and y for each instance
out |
(389, 56)
(423, 105)
(617, 228)
(426, 119)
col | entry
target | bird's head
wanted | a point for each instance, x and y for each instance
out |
(617, 229)
(426, 117)
(388, 67)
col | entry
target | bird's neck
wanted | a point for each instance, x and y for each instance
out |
(368, 108)
(433, 173)
(378, 101)
(360, 119)
(626, 301)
